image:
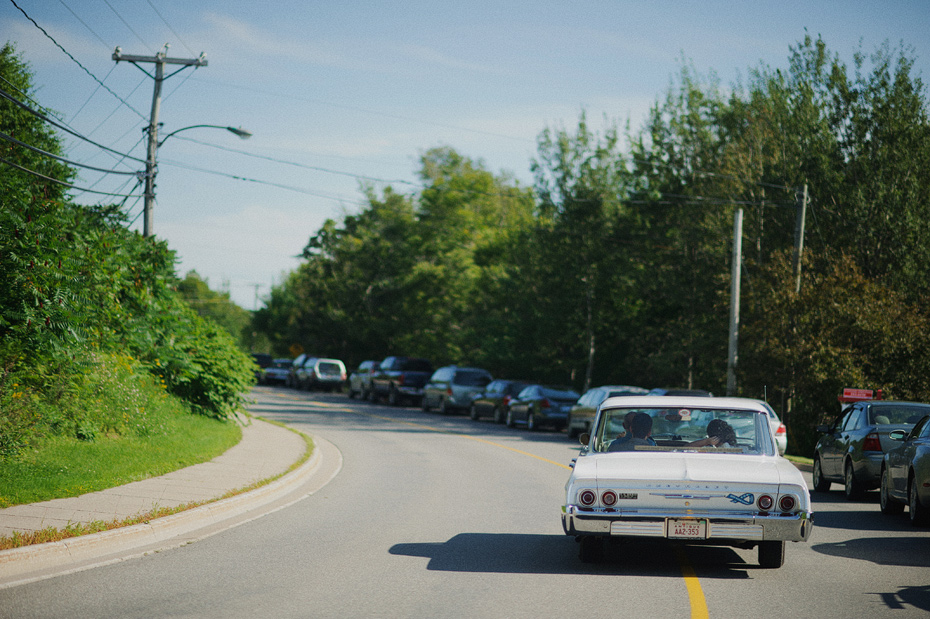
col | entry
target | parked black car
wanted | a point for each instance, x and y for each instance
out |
(495, 399)
(542, 405)
(400, 378)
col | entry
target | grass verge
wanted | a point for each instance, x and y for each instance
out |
(51, 534)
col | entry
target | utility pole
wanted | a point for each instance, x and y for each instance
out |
(735, 272)
(799, 239)
(160, 60)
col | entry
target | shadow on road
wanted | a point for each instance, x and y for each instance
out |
(514, 553)
(894, 551)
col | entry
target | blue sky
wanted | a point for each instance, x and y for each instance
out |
(341, 93)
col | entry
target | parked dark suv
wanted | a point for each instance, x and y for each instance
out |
(452, 388)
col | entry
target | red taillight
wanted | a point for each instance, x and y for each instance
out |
(587, 497)
(609, 498)
(872, 443)
(787, 503)
(781, 429)
(400, 379)
(765, 502)
(507, 400)
(545, 403)
(449, 391)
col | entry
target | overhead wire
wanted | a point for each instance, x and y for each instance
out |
(76, 61)
(59, 182)
(10, 138)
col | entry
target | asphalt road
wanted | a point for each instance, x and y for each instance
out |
(435, 516)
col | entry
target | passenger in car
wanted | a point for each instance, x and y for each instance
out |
(639, 434)
(719, 432)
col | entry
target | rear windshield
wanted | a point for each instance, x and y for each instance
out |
(559, 394)
(329, 368)
(684, 429)
(897, 413)
(472, 378)
(416, 365)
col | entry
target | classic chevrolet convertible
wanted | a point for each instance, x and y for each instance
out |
(699, 470)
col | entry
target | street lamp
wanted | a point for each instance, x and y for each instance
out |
(151, 168)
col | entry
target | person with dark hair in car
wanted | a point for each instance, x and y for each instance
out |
(639, 434)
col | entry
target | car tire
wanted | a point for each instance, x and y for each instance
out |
(498, 415)
(473, 413)
(424, 404)
(852, 487)
(392, 398)
(509, 420)
(820, 483)
(920, 515)
(771, 554)
(886, 502)
(444, 407)
(531, 422)
(572, 431)
(591, 549)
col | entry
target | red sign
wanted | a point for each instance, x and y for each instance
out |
(857, 395)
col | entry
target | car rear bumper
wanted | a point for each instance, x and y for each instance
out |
(722, 527)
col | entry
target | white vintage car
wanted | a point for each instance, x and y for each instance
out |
(699, 470)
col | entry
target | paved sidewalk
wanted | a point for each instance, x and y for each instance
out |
(266, 450)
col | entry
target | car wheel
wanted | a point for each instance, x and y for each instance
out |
(771, 554)
(509, 421)
(591, 549)
(572, 430)
(424, 404)
(393, 399)
(473, 412)
(498, 415)
(531, 422)
(820, 484)
(887, 503)
(919, 514)
(351, 394)
(444, 407)
(852, 487)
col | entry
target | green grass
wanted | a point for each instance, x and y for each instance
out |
(60, 467)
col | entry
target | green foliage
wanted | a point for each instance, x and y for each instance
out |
(216, 306)
(79, 295)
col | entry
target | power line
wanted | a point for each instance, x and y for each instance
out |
(10, 138)
(76, 61)
(58, 182)
(192, 52)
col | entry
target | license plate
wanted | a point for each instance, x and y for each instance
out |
(686, 529)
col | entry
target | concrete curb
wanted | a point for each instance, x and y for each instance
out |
(18, 562)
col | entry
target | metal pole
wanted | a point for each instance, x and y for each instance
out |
(799, 240)
(150, 163)
(735, 271)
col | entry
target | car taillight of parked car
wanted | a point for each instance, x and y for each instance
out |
(781, 430)
(872, 443)
(545, 403)
(507, 400)
(449, 391)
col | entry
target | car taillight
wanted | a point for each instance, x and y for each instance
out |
(587, 498)
(507, 400)
(545, 403)
(449, 391)
(872, 443)
(765, 502)
(400, 379)
(787, 503)
(781, 429)
(609, 498)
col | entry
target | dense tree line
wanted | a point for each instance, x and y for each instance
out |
(615, 266)
(84, 299)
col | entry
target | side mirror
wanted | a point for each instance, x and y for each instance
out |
(898, 435)
(584, 438)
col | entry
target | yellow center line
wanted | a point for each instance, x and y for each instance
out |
(692, 583)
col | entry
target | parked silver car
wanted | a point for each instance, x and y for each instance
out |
(452, 388)
(853, 446)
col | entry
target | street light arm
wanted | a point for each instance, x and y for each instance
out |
(242, 133)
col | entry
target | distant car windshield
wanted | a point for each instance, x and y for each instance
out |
(886, 414)
(684, 429)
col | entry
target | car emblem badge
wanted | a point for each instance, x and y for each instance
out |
(745, 499)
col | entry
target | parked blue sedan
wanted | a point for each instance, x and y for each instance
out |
(906, 473)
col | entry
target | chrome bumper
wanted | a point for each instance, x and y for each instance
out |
(729, 526)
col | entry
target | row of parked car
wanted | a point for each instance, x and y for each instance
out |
(871, 444)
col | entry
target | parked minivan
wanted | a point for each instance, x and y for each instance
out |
(452, 388)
